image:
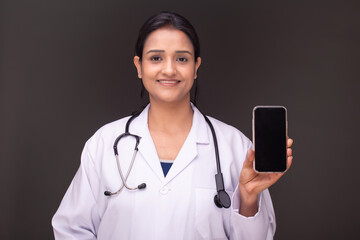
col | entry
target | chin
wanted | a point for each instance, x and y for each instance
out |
(170, 99)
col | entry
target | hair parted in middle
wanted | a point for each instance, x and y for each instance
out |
(172, 20)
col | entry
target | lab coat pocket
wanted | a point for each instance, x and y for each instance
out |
(211, 222)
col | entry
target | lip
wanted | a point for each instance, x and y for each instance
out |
(168, 82)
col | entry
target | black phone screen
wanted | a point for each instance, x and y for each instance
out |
(270, 139)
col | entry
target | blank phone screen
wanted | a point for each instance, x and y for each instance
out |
(270, 139)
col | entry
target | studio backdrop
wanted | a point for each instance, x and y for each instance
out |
(66, 69)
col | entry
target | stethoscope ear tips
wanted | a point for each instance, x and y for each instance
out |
(222, 199)
(142, 186)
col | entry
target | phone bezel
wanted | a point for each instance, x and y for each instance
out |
(253, 133)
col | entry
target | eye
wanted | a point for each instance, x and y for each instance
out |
(155, 58)
(182, 59)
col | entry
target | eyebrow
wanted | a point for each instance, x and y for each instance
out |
(158, 50)
(155, 50)
(184, 51)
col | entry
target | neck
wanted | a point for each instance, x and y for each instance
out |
(170, 116)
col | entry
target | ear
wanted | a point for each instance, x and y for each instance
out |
(137, 64)
(197, 65)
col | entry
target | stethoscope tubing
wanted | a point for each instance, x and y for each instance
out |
(124, 179)
(222, 199)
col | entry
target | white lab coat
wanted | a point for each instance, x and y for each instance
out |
(178, 206)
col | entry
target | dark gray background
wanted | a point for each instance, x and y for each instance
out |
(66, 69)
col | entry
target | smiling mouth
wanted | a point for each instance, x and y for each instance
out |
(168, 81)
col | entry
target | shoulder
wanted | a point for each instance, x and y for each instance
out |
(230, 134)
(115, 126)
(107, 133)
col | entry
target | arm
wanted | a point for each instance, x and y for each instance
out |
(260, 226)
(252, 183)
(253, 214)
(77, 217)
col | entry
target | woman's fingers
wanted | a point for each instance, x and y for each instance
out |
(289, 152)
(289, 142)
(289, 162)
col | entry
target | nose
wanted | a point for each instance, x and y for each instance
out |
(169, 68)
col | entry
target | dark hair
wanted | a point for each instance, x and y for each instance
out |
(172, 20)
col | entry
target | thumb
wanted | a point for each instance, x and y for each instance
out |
(251, 155)
(248, 163)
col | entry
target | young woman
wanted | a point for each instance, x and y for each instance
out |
(174, 164)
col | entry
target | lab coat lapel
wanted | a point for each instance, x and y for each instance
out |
(147, 147)
(197, 135)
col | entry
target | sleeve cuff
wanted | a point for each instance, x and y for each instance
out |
(236, 204)
(260, 226)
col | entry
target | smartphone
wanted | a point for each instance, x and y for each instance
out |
(269, 138)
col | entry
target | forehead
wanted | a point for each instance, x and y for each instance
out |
(167, 38)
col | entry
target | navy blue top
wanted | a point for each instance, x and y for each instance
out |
(166, 165)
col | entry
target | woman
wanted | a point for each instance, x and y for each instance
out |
(178, 204)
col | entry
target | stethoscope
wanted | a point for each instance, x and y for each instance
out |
(221, 199)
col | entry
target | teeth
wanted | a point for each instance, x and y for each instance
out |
(167, 81)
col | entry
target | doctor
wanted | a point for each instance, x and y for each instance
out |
(176, 160)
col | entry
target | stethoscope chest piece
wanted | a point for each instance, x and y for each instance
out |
(222, 199)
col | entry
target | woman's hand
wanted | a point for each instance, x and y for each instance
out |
(252, 183)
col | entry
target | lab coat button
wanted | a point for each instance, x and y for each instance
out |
(164, 190)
